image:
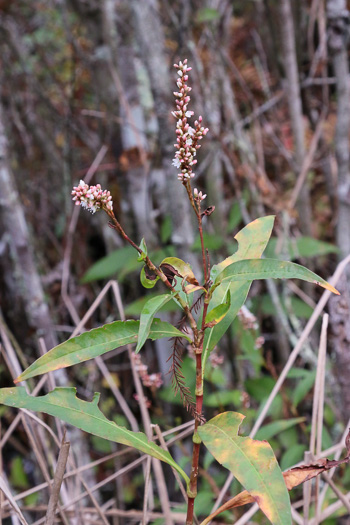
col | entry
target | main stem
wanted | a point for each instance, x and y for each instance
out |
(198, 349)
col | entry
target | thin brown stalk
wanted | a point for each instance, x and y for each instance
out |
(57, 482)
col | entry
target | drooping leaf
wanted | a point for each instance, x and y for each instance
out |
(94, 343)
(252, 462)
(252, 269)
(252, 241)
(148, 312)
(64, 404)
(217, 314)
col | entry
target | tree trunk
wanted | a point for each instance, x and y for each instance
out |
(152, 44)
(338, 45)
(295, 108)
(339, 307)
(20, 279)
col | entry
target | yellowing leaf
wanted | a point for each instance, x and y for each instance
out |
(96, 342)
(292, 478)
(252, 462)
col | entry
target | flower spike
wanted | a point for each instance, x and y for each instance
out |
(187, 136)
(92, 197)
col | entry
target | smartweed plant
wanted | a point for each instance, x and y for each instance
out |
(219, 297)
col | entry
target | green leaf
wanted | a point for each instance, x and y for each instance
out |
(110, 265)
(217, 314)
(300, 247)
(234, 218)
(223, 398)
(212, 242)
(252, 269)
(143, 247)
(63, 403)
(252, 241)
(134, 308)
(207, 14)
(272, 429)
(264, 304)
(303, 387)
(147, 283)
(252, 462)
(121, 262)
(293, 455)
(94, 343)
(166, 229)
(148, 312)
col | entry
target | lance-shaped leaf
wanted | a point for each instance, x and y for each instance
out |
(148, 312)
(252, 241)
(252, 462)
(292, 478)
(94, 343)
(252, 269)
(217, 314)
(64, 404)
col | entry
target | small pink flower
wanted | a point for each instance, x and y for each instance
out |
(92, 197)
(198, 195)
(187, 136)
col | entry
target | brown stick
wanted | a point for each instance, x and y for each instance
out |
(57, 481)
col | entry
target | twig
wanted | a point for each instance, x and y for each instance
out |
(307, 162)
(5, 489)
(307, 489)
(57, 481)
(147, 488)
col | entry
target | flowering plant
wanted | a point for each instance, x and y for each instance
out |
(222, 295)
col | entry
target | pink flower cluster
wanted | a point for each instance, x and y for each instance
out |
(92, 197)
(150, 380)
(187, 137)
(198, 195)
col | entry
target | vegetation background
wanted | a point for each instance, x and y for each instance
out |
(86, 93)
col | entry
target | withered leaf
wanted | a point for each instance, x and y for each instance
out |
(170, 272)
(208, 211)
(150, 274)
